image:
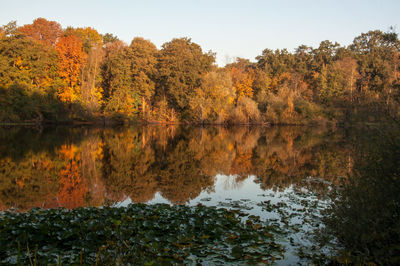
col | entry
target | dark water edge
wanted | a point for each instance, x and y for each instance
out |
(330, 195)
(113, 122)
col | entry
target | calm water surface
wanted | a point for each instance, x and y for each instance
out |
(282, 174)
(74, 167)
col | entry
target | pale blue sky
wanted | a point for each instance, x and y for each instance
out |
(230, 28)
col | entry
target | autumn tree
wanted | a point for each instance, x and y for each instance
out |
(243, 82)
(243, 74)
(47, 32)
(71, 58)
(90, 89)
(245, 111)
(276, 64)
(90, 78)
(214, 99)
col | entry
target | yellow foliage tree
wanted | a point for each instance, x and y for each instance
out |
(243, 81)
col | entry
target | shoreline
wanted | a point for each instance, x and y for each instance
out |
(108, 123)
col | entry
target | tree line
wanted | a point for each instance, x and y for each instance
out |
(51, 74)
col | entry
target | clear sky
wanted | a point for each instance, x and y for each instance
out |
(231, 28)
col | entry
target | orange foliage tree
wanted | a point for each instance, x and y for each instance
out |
(91, 44)
(71, 58)
(42, 30)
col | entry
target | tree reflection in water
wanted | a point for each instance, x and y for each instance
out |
(71, 167)
(365, 215)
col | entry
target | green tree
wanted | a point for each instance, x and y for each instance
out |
(275, 62)
(303, 60)
(120, 96)
(324, 55)
(338, 80)
(181, 65)
(143, 59)
(108, 37)
(28, 81)
(376, 53)
(27, 62)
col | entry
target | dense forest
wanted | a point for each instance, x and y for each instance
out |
(51, 74)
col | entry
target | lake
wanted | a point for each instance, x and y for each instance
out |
(284, 175)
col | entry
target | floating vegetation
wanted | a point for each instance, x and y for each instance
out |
(136, 234)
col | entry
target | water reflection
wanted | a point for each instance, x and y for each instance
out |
(365, 216)
(72, 167)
